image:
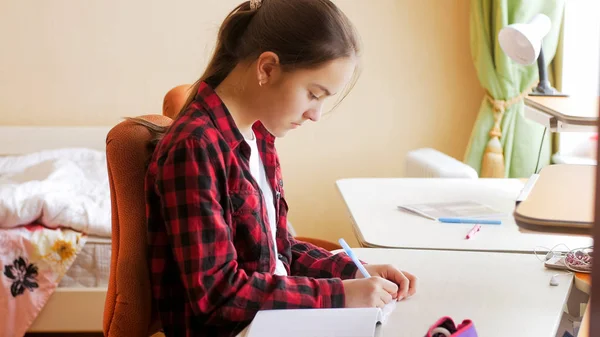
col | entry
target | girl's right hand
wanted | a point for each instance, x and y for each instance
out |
(370, 292)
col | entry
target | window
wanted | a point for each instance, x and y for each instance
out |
(580, 71)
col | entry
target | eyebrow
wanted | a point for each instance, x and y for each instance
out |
(327, 92)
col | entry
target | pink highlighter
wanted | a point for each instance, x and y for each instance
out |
(472, 232)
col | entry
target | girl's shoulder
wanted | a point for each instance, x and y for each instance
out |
(195, 130)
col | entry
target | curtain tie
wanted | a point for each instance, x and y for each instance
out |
(492, 165)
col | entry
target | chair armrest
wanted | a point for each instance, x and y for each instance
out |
(430, 163)
(327, 245)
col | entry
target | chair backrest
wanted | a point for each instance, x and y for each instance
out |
(127, 310)
(174, 100)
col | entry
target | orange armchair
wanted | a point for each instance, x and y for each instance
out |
(127, 310)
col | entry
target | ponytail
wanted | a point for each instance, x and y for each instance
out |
(225, 56)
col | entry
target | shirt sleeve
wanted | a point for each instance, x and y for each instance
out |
(190, 181)
(313, 261)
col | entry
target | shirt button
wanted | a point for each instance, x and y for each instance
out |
(280, 182)
(279, 256)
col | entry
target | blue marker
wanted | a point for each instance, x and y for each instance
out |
(354, 258)
(471, 221)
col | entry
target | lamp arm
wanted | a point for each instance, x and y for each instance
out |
(544, 88)
(544, 84)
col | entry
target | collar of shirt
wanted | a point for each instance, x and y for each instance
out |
(216, 109)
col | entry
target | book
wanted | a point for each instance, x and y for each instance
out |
(454, 209)
(339, 322)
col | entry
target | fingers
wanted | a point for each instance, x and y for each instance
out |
(387, 285)
(403, 287)
(390, 284)
(413, 283)
(407, 283)
(395, 275)
(384, 299)
(371, 292)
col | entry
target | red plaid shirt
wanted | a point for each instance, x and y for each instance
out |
(210, 245)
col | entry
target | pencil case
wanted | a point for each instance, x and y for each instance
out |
(445, 327)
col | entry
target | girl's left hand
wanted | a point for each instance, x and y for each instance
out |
(407, 283)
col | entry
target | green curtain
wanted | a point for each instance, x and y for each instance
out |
(504, 79)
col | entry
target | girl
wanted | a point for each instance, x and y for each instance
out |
(219, 247)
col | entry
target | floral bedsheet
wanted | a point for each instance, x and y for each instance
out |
(33, 260)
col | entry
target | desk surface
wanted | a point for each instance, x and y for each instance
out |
(372, 204)
(576, 107)
(562, 114)
(561, 201)
(504, 294)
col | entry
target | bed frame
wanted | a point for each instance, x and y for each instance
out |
(68, 309)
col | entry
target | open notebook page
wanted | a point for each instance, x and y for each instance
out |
(346, 322)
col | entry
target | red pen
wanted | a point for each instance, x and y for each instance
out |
(473, 230)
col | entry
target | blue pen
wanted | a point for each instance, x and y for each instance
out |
(354, 258)
(471, 221)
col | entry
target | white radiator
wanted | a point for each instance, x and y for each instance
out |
(430, 163)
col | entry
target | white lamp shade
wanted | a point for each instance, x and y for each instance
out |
(522, 41)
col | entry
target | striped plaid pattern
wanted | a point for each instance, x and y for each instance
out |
(210, 248)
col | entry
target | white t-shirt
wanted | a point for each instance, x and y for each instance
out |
(258, 172)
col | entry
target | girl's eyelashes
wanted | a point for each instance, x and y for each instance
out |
(313, 96)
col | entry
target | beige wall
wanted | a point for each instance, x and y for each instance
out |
(68, 62)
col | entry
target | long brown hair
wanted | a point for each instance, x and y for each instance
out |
(303, 33)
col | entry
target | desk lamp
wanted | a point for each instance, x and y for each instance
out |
(522, 42)
(569, 210)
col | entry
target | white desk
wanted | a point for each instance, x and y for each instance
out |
(372, 204)
(563, 114)
(503, 294)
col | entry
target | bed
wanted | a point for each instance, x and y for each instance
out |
(78, 302)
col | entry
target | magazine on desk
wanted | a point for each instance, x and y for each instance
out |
(454, 209)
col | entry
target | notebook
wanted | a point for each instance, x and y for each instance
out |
(338, 322)
(454, 209)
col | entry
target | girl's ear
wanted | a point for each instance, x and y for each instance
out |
(268, 68)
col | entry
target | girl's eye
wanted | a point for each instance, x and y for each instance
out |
(312, 96)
